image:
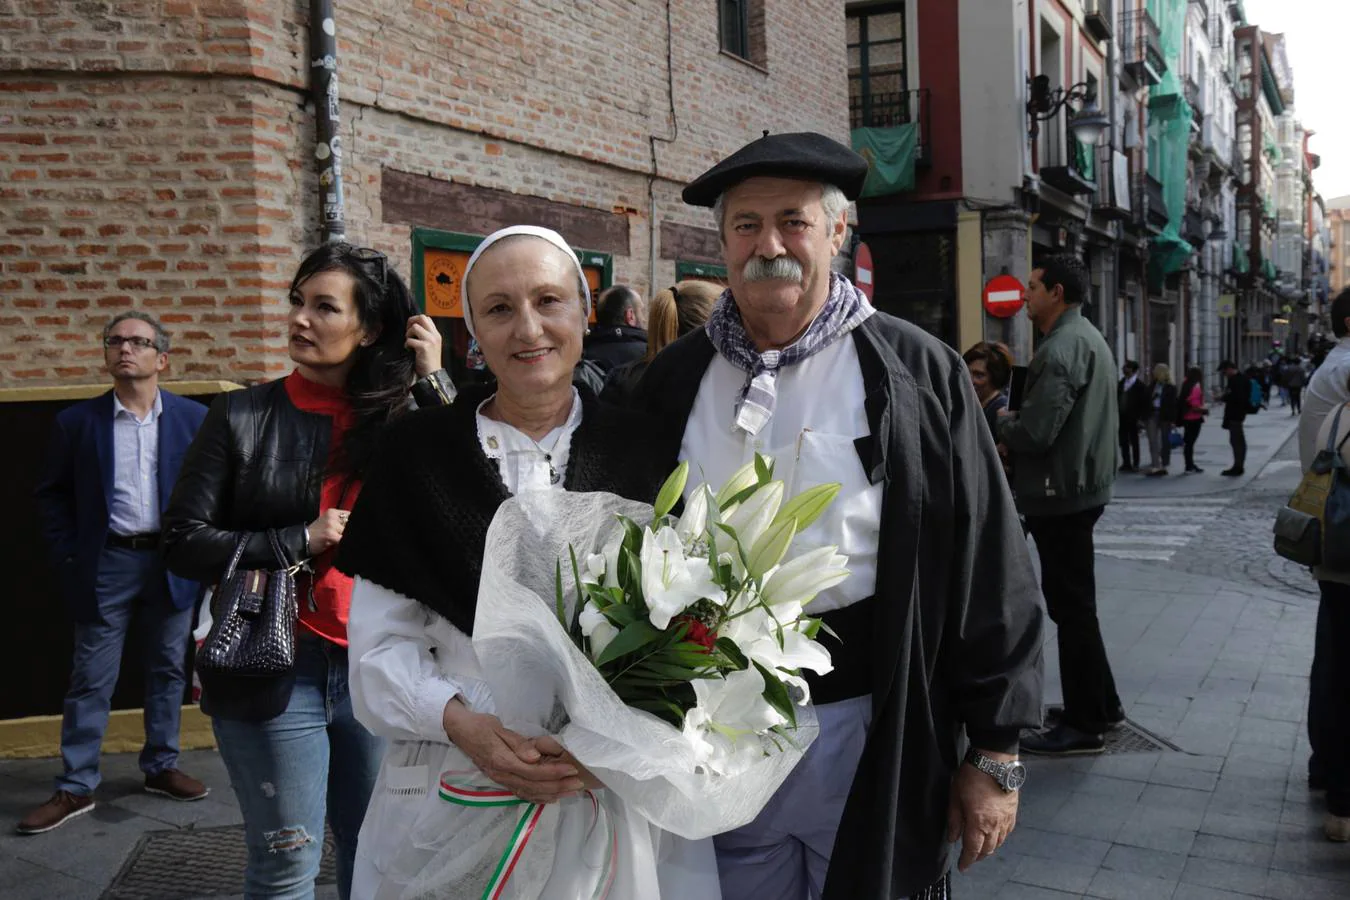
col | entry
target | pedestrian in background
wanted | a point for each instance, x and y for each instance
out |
(1062, 444)
(1132, 403)
(288, 457)
(110, 466)
(1162, 412)
(620, 333)
(1295, 377)
(990, 364)
(1237, 405)
(1191, 415)
(674, 312)
(1329, 682)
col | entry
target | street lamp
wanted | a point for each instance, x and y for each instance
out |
(1087, 122)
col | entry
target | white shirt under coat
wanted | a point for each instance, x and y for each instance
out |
(818, 416)
(135, 488)
(407, 662)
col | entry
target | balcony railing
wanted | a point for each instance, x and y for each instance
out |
(1141, 47)
(886, 110)
(1065, 163)
(1099, 18)
(1193, 228)
(1113, 184)
(1150, 207)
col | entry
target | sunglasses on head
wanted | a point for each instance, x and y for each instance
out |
(367, 255)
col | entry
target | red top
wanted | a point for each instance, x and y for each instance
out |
(1195, 404)
(327, 617)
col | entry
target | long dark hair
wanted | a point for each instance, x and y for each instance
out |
(382, 374)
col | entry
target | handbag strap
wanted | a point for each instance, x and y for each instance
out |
(238, 554)
(283, 561)
(1332, 446)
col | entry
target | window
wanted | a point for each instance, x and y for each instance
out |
(735, 27)
(877, 80)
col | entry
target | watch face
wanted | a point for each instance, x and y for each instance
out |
(1015, 777)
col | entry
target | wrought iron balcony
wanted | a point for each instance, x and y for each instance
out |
(1066, 163)
(1150, 207)
(886, 110)
(1099, 18)
(1113, 185)
(1193, 228)
(1141, 47)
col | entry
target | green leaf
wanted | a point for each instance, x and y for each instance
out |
(763, 472)
(776, 695)
(620, 615)
(631, 639)
(557, 582)
(727, 647)
(739, 497)
(671, 491)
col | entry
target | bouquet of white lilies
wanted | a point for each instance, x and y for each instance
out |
(699, 620)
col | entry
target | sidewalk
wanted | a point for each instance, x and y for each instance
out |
(1266, 433)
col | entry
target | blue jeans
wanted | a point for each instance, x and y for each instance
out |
(288, 771)
(125, 576)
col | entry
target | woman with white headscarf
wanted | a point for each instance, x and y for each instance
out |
(415, 546)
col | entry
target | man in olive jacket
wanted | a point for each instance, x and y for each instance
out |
(1063, 446)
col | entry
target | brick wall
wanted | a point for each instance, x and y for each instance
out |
(157, 153)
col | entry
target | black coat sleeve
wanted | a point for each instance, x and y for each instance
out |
(197, 540)
(996, 622)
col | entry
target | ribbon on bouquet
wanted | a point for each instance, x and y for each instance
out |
(468, 792)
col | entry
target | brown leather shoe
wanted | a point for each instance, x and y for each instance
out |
(173, 783)
(56, 812)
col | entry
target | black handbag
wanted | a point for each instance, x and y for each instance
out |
(254, 610)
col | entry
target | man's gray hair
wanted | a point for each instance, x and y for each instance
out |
(161, 336)
(832, 201)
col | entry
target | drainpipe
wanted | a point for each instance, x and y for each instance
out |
(323, 91)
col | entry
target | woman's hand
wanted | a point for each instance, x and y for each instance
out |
(424, 340)
(326, 530)
(508, 758)
(552, 750)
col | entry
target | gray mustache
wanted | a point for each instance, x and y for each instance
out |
(780, 268)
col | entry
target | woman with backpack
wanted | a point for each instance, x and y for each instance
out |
(1191, 410)
(1162, 412)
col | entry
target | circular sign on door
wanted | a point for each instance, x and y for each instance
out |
(1004, 295)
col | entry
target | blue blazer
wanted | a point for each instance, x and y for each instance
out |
(74, 491)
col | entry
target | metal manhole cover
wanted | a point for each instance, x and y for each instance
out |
(193, 862)
(1128, 738)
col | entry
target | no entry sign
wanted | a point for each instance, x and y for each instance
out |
(1003, 296)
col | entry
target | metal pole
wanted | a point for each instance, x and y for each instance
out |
(323, 89)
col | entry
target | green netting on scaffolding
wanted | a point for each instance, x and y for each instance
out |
(1170, 119)
(1240, 263)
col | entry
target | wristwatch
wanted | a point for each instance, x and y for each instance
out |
(1010, 775)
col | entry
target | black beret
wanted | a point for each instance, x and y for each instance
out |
(804, 155)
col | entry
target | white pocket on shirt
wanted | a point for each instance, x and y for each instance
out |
(852, 522)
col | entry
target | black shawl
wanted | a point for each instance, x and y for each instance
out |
(421, 521)
(958, 616)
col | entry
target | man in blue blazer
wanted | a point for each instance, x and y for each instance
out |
(110, 470)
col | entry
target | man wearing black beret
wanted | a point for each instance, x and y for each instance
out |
(940, 619)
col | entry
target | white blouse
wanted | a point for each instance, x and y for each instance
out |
(524, 463)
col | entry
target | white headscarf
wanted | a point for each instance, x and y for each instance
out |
(547, 234)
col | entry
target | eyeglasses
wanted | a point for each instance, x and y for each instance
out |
(115, 342)
(367, 254)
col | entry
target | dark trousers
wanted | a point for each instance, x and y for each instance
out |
(1237, 439)
(1295, 400)
(1329, 697)
(1068, 580)
(1129, 443)
(1190, 432)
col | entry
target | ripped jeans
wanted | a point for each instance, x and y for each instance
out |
(287, 772)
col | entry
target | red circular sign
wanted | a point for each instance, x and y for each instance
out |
(862, 265)
(1003, 296)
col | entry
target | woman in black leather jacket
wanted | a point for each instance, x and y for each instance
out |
(288, 457)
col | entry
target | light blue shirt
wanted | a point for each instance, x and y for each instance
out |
(135, 493)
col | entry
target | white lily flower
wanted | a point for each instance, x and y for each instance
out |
(695, 519)
(670, 582)
(741, 479)
(794, 584)
(595, 626)
(753, 516)
(594, 573)
(603, 568)
(755, 633)
(724, 726)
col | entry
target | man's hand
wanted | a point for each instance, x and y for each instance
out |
(508, 758)
(980, 813)
(556, 752)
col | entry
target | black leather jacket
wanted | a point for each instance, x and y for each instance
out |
(257, 463)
